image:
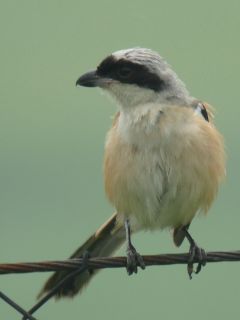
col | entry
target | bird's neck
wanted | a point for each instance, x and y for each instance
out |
(136, 124)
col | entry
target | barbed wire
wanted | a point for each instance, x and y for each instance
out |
(114, 262)
(76, 266)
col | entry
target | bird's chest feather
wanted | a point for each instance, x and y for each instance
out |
(132, 170)
(155, 171)
(133, 180)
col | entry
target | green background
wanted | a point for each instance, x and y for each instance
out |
(51, 149)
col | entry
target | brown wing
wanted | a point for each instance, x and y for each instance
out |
(206, 112)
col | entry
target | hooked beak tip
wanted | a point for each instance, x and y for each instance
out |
(89, 79)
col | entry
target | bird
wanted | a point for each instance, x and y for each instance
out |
(164, 160)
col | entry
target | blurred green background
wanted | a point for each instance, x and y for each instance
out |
(51, 149)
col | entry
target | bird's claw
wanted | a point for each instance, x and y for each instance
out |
(196, 254)
(134, 259)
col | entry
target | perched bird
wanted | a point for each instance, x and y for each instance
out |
(164, 159)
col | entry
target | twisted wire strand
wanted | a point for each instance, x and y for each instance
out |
(113, 262)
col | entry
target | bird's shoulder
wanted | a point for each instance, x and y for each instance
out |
(204, 109)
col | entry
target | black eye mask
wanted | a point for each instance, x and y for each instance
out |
(129, 72)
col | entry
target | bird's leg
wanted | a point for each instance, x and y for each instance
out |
(134, 259)
(195, 252)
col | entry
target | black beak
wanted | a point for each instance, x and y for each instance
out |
(89, 79)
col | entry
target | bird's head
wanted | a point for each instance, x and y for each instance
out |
(137, 76)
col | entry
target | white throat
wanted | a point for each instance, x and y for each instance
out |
(130, 96)
(137, 124)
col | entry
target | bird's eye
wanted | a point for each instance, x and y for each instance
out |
(124, 72)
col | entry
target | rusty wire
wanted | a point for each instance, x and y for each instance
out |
(113, 262)
(76, 266)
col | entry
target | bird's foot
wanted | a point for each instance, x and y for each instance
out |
(196, 254)
(134, 259)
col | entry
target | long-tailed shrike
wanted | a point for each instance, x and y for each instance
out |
(164, 159)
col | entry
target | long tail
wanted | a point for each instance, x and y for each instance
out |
(107, 239)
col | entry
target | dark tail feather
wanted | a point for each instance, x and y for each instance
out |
(107, 239)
